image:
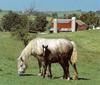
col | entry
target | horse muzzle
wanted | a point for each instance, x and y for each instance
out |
(21, 73)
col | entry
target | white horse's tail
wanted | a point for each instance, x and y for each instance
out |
(74, 54)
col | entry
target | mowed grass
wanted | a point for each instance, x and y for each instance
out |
(88, 64)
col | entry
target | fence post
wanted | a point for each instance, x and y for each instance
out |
(73, 24)
(55, 25)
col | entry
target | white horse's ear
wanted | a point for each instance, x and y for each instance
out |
(21, 59)
(47, 46)
(43, 46)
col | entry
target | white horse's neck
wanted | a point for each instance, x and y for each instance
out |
(26, 53)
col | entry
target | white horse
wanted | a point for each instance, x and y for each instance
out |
(57, 47)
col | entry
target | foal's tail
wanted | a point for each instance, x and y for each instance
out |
(74, 54)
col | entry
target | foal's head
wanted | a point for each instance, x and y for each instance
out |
(46, 51)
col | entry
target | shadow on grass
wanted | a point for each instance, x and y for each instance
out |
(61, 77)
(83, 79)
(28, 75)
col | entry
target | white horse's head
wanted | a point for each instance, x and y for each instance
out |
(21, 66)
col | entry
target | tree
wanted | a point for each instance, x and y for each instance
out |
(11, 20)
(90, 18)
(40, 23)
(55, 15)
(17, 25)
(0, 10)
(72, 15)
(64, 16)
(22, 34)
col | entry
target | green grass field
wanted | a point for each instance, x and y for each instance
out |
(88, 46)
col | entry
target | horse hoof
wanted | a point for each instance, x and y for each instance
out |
(21, 74)
(50, 77)
(39, 74)
(68, 78)
(75, 78)
(61, 78)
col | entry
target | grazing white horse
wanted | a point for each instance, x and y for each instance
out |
(58, 47)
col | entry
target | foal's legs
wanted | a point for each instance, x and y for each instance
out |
(44, 70)
(41, 68)
(49, 70)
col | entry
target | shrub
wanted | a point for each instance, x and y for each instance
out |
(40, 23)
(11, 20)
(17, 25)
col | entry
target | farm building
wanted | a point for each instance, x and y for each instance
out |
(60, 25)
(81, 25)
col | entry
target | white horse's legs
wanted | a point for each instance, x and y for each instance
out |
(75, 77)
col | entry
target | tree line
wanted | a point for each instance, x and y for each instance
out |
(22, 24)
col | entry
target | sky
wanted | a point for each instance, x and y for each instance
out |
(50, 5)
